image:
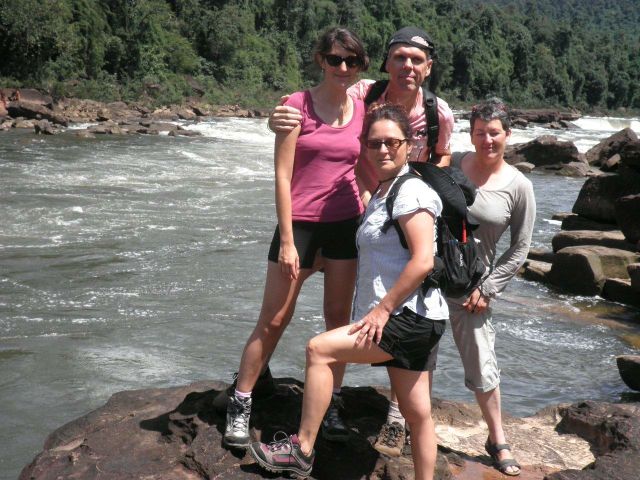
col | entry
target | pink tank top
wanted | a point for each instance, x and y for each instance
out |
(323, 183)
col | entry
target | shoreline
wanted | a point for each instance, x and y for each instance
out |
(32, 104)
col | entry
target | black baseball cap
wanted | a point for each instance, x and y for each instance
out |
(411, 36)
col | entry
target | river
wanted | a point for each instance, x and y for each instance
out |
(138, 261)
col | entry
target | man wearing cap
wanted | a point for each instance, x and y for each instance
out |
(408, 61)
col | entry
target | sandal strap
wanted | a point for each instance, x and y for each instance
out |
(500, 446)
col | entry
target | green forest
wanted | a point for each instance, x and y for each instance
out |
(582, 54)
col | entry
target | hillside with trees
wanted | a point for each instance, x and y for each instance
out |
(570, 53)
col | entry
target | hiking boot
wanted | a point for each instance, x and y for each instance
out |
(262, 390)
(333, 428)
(283, 455)
(236, 433)
(390, 440)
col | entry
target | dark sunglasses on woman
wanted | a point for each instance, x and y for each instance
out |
(351, 61)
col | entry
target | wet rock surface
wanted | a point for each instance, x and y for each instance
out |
(175, 433)
(584, 269)
(614, 433)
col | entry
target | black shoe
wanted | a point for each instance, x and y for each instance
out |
(333, 428)
(264, 388)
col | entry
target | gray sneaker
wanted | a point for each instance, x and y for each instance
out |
(333, 428)
(390, 441)
(283, 455)
(263, 389)
(236, 432)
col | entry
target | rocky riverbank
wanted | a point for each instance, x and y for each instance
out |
(598, 250)
(30, 109)
(175, 433)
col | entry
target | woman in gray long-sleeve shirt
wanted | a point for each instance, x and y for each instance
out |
(504, 200)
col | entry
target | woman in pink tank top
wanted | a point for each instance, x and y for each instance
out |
(318, 207)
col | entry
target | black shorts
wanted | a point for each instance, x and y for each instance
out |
(335, 240)
(411, 340)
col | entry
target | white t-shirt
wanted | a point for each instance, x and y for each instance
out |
(381, 257)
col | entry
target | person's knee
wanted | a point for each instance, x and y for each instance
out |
(416, 413)
(315, 351)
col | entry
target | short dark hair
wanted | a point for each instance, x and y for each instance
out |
(491, 109)
(346, 39)
(387, 111)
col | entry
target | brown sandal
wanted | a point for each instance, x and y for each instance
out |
(504, 464)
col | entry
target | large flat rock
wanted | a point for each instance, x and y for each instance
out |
(583, 270)
(175, 433)
(571, 238)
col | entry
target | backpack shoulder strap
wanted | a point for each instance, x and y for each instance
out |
(433, 122)
(376, 91)
(391, 198)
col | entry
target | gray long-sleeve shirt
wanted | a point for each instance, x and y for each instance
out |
(512, 205)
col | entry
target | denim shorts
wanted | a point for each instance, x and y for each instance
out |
(411, 340)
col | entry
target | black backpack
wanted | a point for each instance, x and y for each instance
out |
(458, 268)
(430, 102)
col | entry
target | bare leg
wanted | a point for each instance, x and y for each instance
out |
(339, 283)
(394, 398)
(413, 397)
(323, 351)
(490, 404)
(278, 304)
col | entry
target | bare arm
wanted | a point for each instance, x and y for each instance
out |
(285, 147)
(418, 231)
(284, 118)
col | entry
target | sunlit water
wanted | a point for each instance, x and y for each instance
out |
(134, 262)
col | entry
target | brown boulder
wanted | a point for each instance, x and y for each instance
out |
(35, 111)
(633, 270)
(627, 214)
(184, 133)
(544, 115)
(614, 433)
(540, 255)
(629, 368)
(545, 150)
(525, 167)
(22, 123)
(597, 196)
(32, 95)
(583, 270)
(43, 127)
(578, 222)
(571, 169)
(610, 146)
(536, 271)
(630, 156)
(571, 238)
(611, 164)
(620, 290)
(175, 433)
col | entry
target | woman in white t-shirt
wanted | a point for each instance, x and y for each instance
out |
(397, 324)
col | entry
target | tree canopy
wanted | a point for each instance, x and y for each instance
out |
(572, 53)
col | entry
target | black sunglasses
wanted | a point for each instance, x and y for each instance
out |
(351, 61)
(390, 143)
